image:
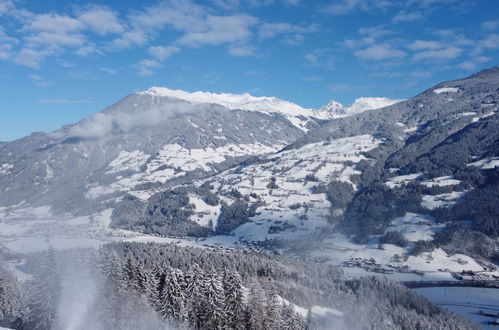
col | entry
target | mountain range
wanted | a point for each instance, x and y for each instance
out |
(244, 169)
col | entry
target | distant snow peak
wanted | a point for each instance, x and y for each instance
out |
(446, 90)
(333, 109)
(337, 110)
(232, 101)
(293, 112)
(369, 103)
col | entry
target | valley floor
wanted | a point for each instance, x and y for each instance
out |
(471, 303)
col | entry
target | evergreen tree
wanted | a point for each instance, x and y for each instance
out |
(195, 299)
(11, 299)
(273, 310)
(234, 300)
(214, 317)
(256, 314)
(172, 298)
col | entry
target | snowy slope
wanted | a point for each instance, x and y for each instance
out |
(293, 206)
(369, 103)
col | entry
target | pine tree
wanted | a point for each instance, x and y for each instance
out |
(256, 307)
(11, 299)
(214, 316)
(234, 300)
(273, 310)
(195, 299)
(172, 299)
(45, 291)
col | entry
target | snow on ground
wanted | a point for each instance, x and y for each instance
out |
(486, 163)
(205, 215)
(432, 202)
(411, 129)
(416, 227)
(466, 302)
(5, 168)
(446, 90)
(363, 104)
(437, 265)
(128, 161)
(398, 181)
(29, 229)
(171, 161)
(290, 208)
(441, 181)
(438, 259)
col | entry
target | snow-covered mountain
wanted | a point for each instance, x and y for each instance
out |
(411, 168)
(202, 164)
(369, 103)
(299, 116)
(337, 110)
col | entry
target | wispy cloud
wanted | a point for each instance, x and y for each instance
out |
(162, 52)
(379, 52)
(146, 67)
(39, 80)
(322, 57)
(490, 25)
(109, 70)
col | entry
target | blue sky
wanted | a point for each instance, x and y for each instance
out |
(61, 60)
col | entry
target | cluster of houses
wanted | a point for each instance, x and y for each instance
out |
(370, 265)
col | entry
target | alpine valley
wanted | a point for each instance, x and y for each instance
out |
(407, 189)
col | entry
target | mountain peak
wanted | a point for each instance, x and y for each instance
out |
(369, 103)
(297, 115)
(244, 101)
(333, 109)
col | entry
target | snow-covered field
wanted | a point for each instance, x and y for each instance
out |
(172, 161)
(466, 302)
(289, 207)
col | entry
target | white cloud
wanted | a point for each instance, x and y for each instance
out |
(449, 52)
(101, 20)
(54, 23)
(146, 67)
(407, 16)
(109, 70)
(55, 39)
(39, 80)
(32, 57)
(269, 30)
(490, 25)
(341, 7)
(220, 29)
(242, 50)
(473, 63)
(379, 52)
(179, 15)
(162, 52)
(88, 49)
(491, 41)
(425, 44)
(6, 6)
(321, 57)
